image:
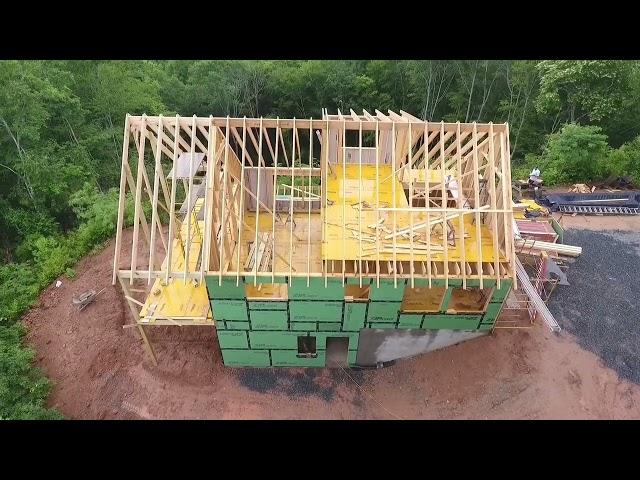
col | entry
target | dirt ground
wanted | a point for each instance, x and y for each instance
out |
(101, 372)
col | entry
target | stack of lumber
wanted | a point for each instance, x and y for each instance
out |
(539, 246)
(260, 254)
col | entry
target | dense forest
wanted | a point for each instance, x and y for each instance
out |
(61, 126)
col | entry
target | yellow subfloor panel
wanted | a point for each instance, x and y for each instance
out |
(341, 243)
(180, 301)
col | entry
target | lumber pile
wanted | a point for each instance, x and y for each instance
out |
(260, 254)
(581, 188)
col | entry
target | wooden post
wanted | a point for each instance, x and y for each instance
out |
(136, 318)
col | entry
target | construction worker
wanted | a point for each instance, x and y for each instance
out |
(535, 181)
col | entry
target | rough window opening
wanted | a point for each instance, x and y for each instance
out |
(422, 299)
(265, 292)
(471, 300)
(307, 347)
(356, 293)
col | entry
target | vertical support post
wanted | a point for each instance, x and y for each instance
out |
(309, 201)
(121, 199)
(223, 206)
(293, 162)
(360, 201)
(242, 195)
(172, 207)
(378, 199)
(445, 201)
(476, 196)
(275, 191)
(460, 205)
(136, 316)
(138, 206)
(260, 162)
(426, 198)
(492, 195)
(394, 142)
(154, 203)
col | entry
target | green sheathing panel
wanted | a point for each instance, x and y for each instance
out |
(382, 325)
(303, 326)
(289, 358)
(301, 311)
(228, 289)
(383, 311)
(409, 320)
(451, 322)
(237, 325)
(269, 320)
(354, 316)
(248, 279)
(493, 310)
(501, 294)
(424, 282)
(316, 290)
(329, 327)
(387, 292)
(246, 358)
(271, 305)
(486, 282)
(485, 326)
(356, 281)
(275, 340)
(229, 309)
(233, 339)
(352, 357)
(445, 300)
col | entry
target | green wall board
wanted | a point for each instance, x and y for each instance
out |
(354, 316)
(229, 309)
(387, 291)
(500, 295)
(451, 322)
(303, 326)
(232, 339)
(315, 311)
(289, 358)
(330, 327)
(277, 340)
(409, 320)
(271, 305)
(249, 279)
(352, 357)
(227, 290)
(493, 310)
(246, 358)
(269, 320)
(237, 325)
(382, 325)
(316, 290)
(383, 311)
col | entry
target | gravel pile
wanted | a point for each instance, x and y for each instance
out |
(602, 305)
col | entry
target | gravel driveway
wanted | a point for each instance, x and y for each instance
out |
(602, 305)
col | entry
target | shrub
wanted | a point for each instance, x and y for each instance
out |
(23, 388)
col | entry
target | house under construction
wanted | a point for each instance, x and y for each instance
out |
(355, 238)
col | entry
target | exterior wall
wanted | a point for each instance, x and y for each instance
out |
(265, 333)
